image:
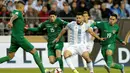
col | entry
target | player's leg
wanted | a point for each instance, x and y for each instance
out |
(85, 55)
(13, 48)
(110, 62)
(109, 53)
(84, 63)
(27, 46)
(103, 51)
(68, 55)
(89, 47)
(58, 47)
(51, 53)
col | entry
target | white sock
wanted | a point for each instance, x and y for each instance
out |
(90, 66)
(84, 63)
(70, 64)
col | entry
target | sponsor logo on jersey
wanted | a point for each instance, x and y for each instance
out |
(55, 25)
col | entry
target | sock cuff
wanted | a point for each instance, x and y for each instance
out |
(36, 53)
(59, 58)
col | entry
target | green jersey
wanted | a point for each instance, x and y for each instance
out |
(53, 28)
(108, 31)
(18, 24)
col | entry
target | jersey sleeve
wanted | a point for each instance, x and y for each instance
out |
(39, 28)
(87, 27)
(117, 36)
(64, 23)
(68, 26)
(98, 24)
(16, 13)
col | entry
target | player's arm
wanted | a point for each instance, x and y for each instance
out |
(64, 23)
(63, 31)
(94, 34)
(14, 16)
(119, 39)
(98, 24)
(36, 29)
(127, 37)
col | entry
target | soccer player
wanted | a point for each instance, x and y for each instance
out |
(54, 26)
(109, 30)
(77, 44)
(17, 37)
(89, 38)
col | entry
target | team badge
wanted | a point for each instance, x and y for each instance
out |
(114, 31)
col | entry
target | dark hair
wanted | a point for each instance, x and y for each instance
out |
(21, 2)
(115, 15)
(86, 12)
(52, 13)
(79, 13)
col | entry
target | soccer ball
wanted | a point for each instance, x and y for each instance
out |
(58, 70)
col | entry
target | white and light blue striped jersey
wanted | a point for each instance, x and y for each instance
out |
(88, 35)
(76, 33)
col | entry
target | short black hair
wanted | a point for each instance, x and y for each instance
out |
(115, 15)
(79, 13)
(86, 12)
(52, 13)
(21, 2)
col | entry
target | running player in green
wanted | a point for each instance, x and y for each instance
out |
(54, 26)
(17, 37)
(109, 30)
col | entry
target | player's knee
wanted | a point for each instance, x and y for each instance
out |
(109, 52)
(87, 58)
(11, 56)
(52, 61)
(33, 51)
(66, 55)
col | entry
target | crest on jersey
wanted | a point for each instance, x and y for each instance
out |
(114, 31)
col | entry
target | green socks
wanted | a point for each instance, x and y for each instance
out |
(38, 61)
(60, 62)
(3, 59)
(117, 66)
(110, 62)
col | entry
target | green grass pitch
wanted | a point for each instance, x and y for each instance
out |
(67, 70)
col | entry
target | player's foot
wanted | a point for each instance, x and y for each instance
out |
(49, 70)
(122, 70)
(75, 71)
(85, 68)
(91, 72)
(107, 68)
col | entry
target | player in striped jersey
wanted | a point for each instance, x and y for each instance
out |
(89, 38)
(77, 43)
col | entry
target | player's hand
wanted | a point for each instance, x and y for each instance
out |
(102, 39)
(10, 25)
(26, 27)
(124, 43)
(56, 40)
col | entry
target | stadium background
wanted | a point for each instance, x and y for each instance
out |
(34, 15)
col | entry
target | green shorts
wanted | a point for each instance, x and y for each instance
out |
(53, 47)
(108, 47)
(20, 42)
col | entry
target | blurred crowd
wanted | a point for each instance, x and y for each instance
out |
(37, 11)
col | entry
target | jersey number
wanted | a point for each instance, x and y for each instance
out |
(109, 35)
